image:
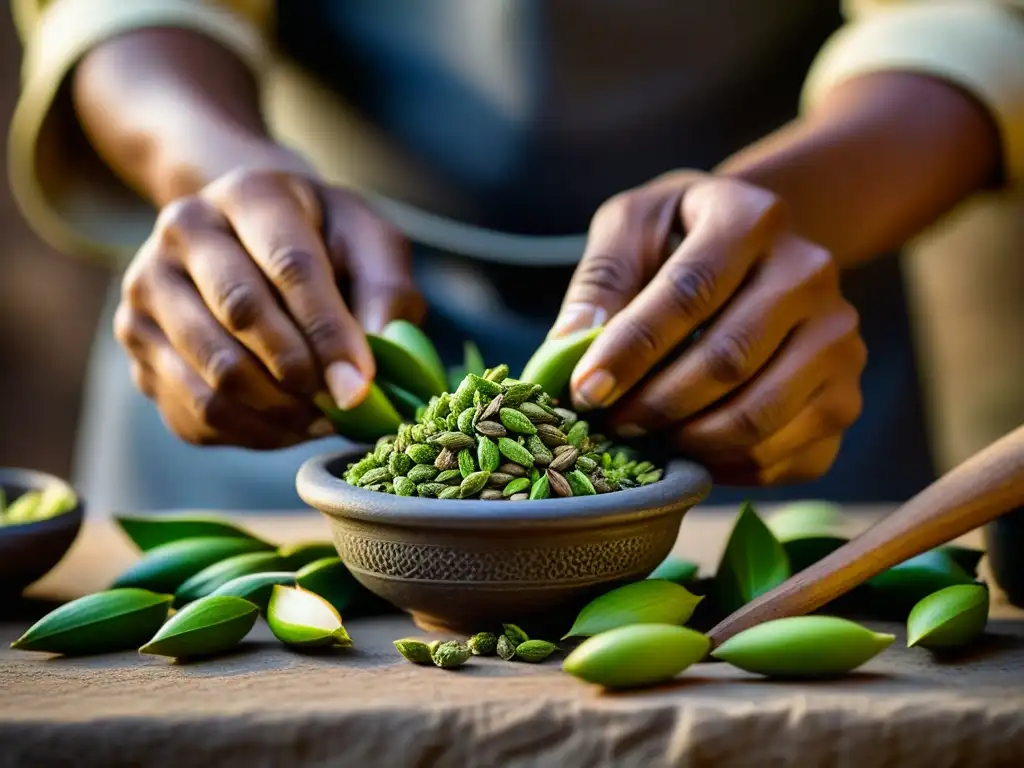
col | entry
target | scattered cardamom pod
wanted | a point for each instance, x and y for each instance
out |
(303, 553)
(950, 618)
(150, 531)
(115, 620)
(541, 488)
(451, 654)
(462, 397)
(165, 568)
(513, 469)
(430, 490)
(218, 574)
(450, 477)
(803, 646)
(453, 441)
(331, 580)
(301, 618)
(516, 486)
(537, 413)
(416, 651)
(636, 655)
(505, 648)
(491, 429)
(552, 364)
(473, 484)
(642, 602)
(485, 387)
(517, 392)
(206, 627)
(483, 644)
(375, 476)
(541, 455)
(400, 463)
(465, 421)
(515, 634)
(255, 587)
(535, 651)
(559, 485)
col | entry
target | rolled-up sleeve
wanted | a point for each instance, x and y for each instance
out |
(67, 194)
(976, 44)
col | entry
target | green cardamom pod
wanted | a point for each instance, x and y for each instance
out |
(404, 355)
(462, 397)
(418, 434)
(585, 464)
(302, 618)
(578, 433)
(375, 476)
(220, 573)
(467, 464)
(450, 492)
(388, 488)
(676, 570)
(416, 651)
(535, 651)
(384, 449)
(516, 486)
(485, 387)
(950, 618)
(580, 484)
(165, 568)
(442, 409)
(465, 421)
(352, 476)
(513, 451)
(803, 646)
(115, 620)
(537, 414)
(451, 654)
(483, 644)
(515, 634)
(255, 587)
(453, 441)
(447, 459)
(514, 421)
(451, 424)
(642, 602)
(542, 457)
(423, 453)
(636, 655)
(541, 488)
(473, 484)
(206, 627)
(430, 490)
(399, 463)
(331, 580)
(450, 477)
(511, 468)
(558, 484)
(499, 480)
(642, 467)
(487, 454)
(517, 392)
(505, 648)
(552, 364)
(497, 374)
(905, 584)
(649, 477)
(491, 429)
(491, 494)
(551, 435)
(305, 552)
(565, 460)
(404, 486)
(423, 473)
(373, 417)
(150, 531)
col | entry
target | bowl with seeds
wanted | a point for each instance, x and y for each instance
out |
(40, 516)
(495, 502)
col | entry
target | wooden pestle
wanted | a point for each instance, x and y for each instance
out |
(987, 485)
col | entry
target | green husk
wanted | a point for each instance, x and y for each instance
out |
(302, 618)
(165, 568)
(207, 627)
(651, 601)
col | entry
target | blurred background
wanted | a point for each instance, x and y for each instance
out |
(49, 304)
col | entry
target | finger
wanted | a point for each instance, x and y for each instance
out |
(780, 293)
(728, 226)
(816, 349)
(277, 220)
(375, 256)
(809, 463)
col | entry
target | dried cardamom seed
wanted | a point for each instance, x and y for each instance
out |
(467, 464)
(465, 421)
(423, 473)
(516, 486)
(492, 408)
(499, 480)
(497, 374)
(473, 484)
(511, 468)
(483, 644)
(399, 463)
(491, 494)
(559, 485)
(518, 392)
(505, 648)
(404, 486)
(453, 441)
(515, 634)
(515, 421)
(585, 464)
(375, 476)
(541, 488)
(580, 484)
(491, 429)
(564, 460)
(422, 453)
(447, 459)
(536, 413)
(416, 651)
(535, 651)
(451, 654)
(430, 490)
(513, 451)
(450, 492)
(487, 454)
(449, 477)
(578, 433)
(551, 435)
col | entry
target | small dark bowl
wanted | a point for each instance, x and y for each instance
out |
(466, 566)
(28, 551)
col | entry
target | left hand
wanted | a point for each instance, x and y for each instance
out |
(765, 393)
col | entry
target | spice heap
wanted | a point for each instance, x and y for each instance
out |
(497, 438)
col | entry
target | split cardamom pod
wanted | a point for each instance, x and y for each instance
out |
(650, 601)
(534, 651)
(206, 627)
(483, 644)
(373, 417)
(218, 574)
(515, 634)
(115, 620)
(505, 648)
(416, 651)
(165, 568)
(451, 654)
(331, 580)
(950, 618)
(636, 655)
(255, 587)
(150, 531)
(803, 646)
(405, 356)
(302, 618)
(552, 364)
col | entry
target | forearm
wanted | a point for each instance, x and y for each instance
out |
(170, 110)
(878, 160)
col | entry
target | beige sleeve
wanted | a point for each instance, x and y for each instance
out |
(976, 44)
(67, 194)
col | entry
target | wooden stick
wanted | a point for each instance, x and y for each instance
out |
(981, 489)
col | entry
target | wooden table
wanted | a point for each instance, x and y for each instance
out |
(268, 705)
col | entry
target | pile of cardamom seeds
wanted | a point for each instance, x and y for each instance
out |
(497, 438)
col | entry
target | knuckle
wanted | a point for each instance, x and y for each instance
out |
(239, 307)
(820, 268)
(296, 373)
(642, 337)
(243, 183)
(203, 405)
(749, 424)
(606, 272)
(224, 370)
(182, 215)
(133, 284)
(289, 266)
(615, 211)
(729, 359)
(143, 381)
(324, 331)
(691, 289)
(126, 326)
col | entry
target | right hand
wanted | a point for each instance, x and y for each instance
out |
(232, 313)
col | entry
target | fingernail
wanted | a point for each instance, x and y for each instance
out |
(321, 428)
(595, 390)
(631, 431)
(577, 317)
(346, 384)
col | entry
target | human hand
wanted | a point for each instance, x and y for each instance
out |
(232, 312)
(764, 394)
